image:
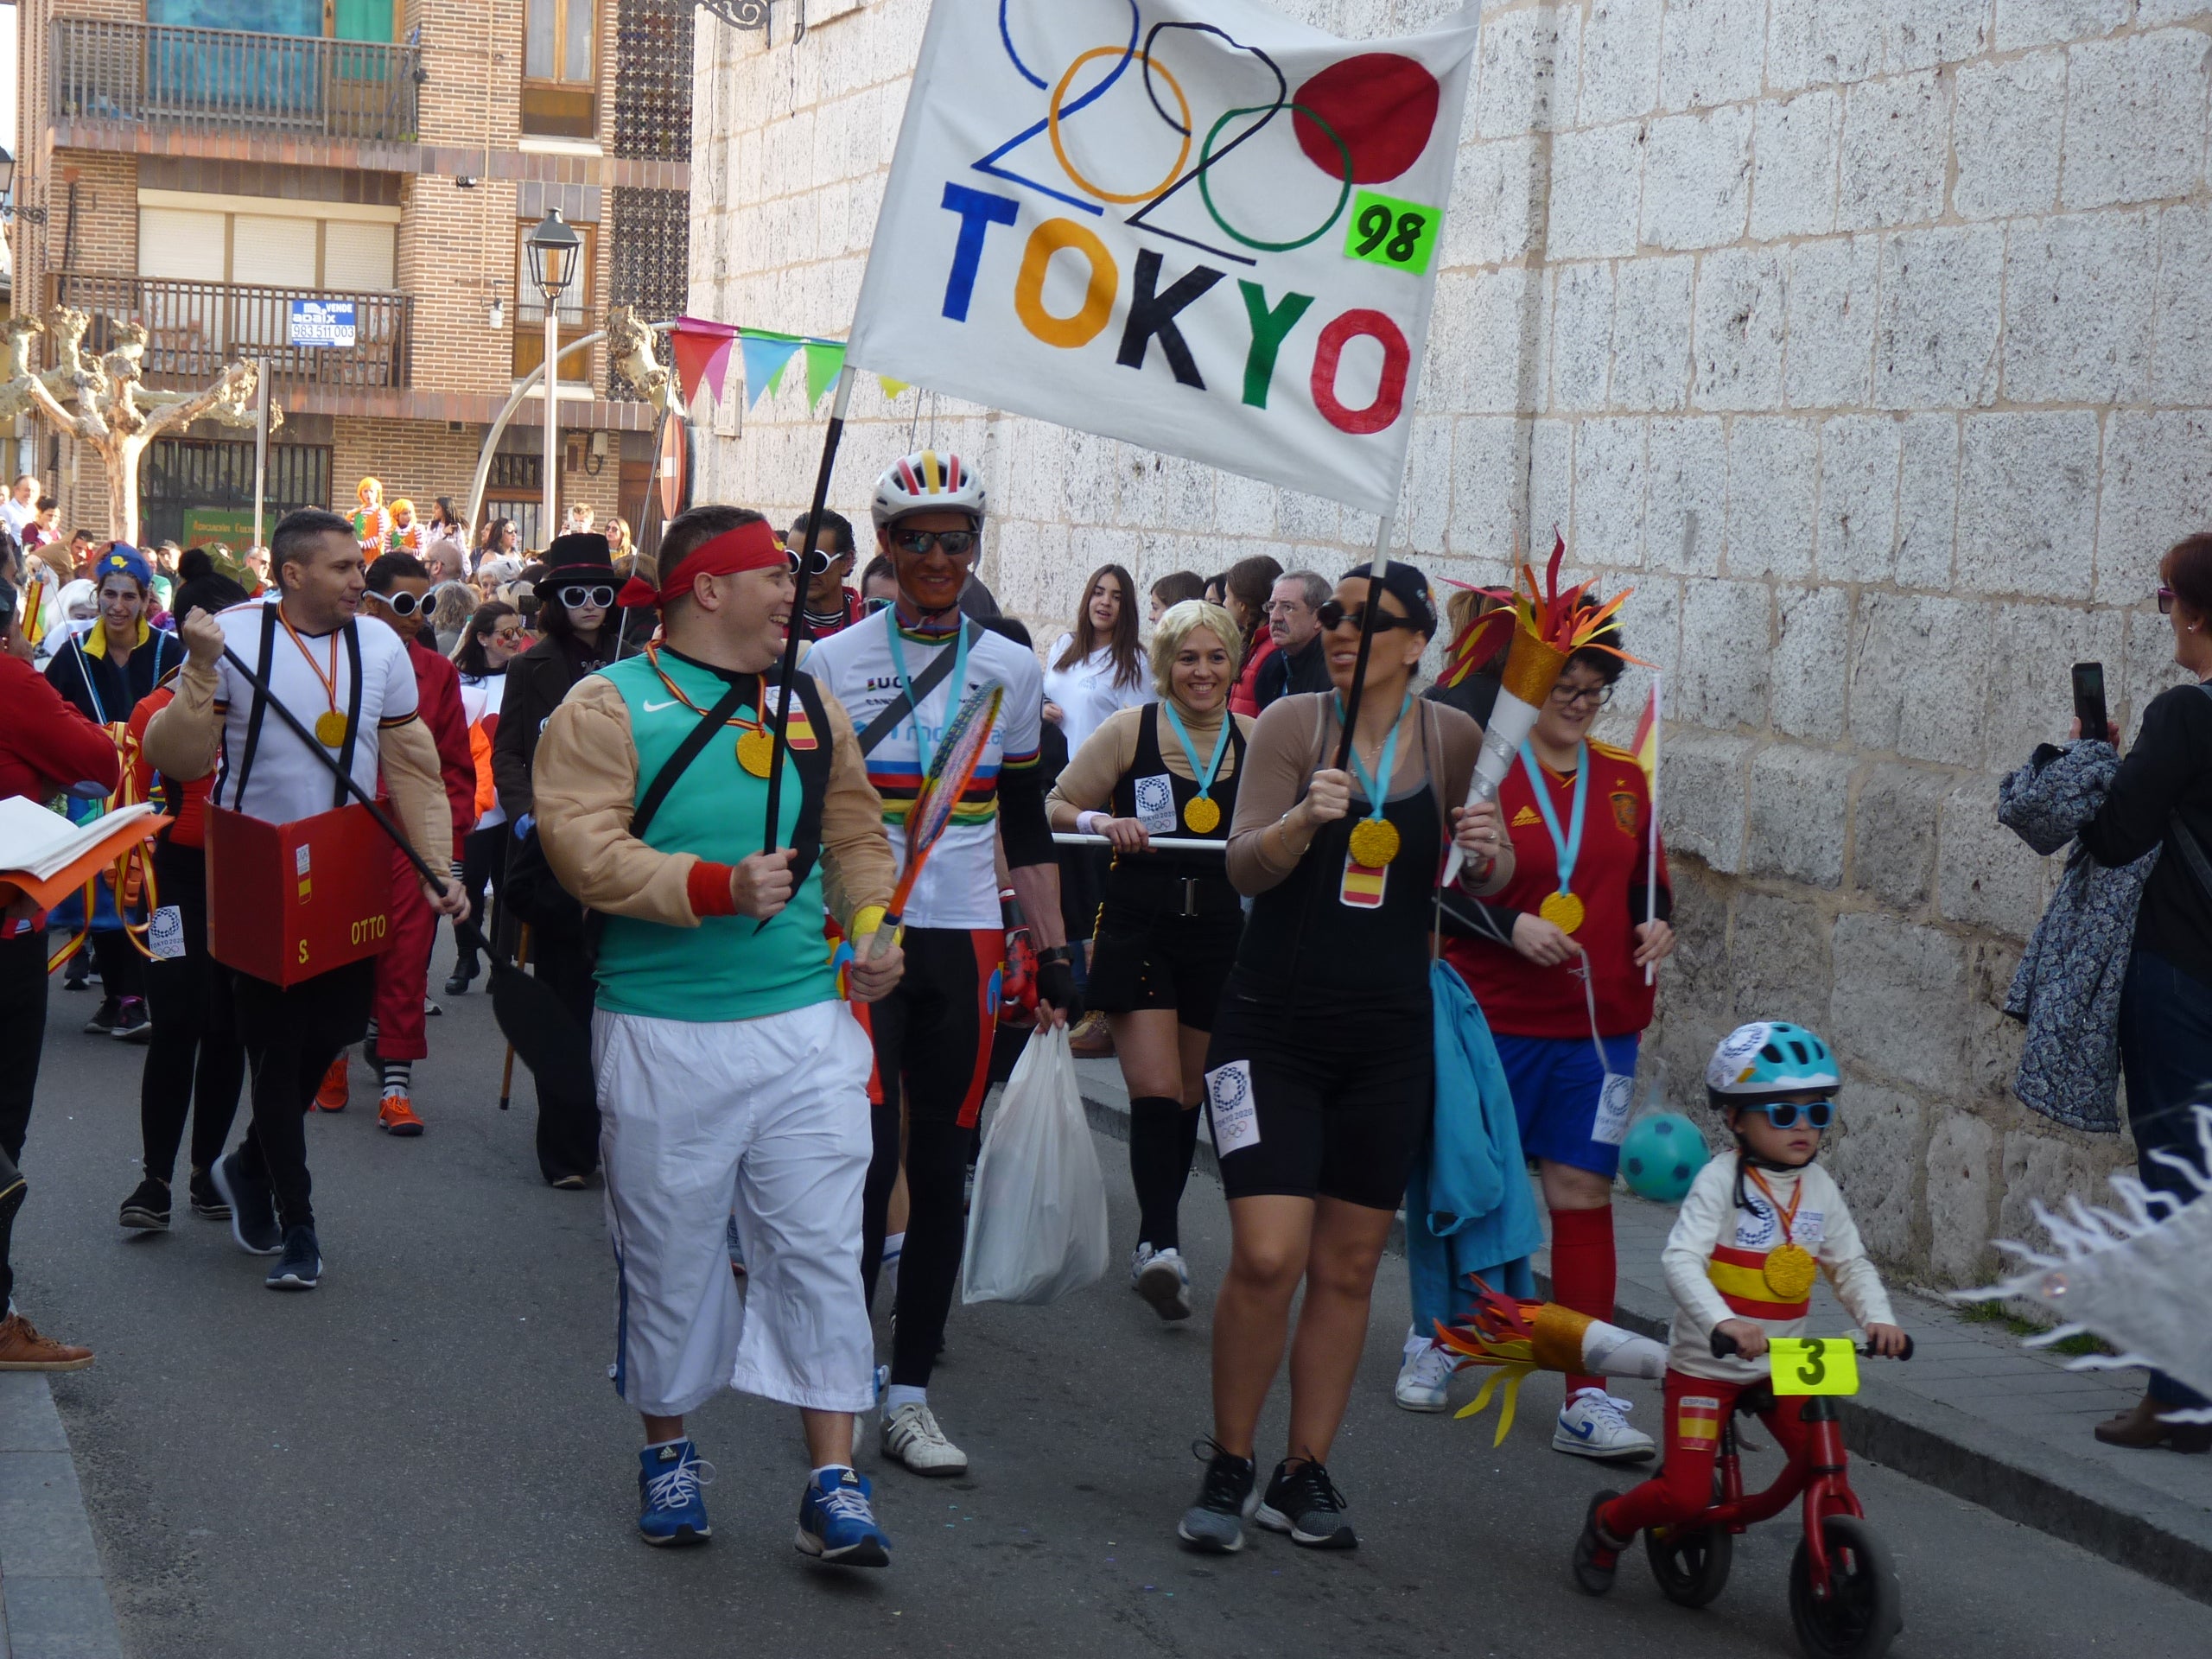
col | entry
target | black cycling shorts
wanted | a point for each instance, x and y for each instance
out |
(1140, 963)
(1318, 1102)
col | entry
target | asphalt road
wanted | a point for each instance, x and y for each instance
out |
(424, 1457)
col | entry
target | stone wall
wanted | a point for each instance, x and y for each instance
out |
(1868, 339)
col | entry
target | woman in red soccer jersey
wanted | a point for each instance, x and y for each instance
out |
(1557, 961)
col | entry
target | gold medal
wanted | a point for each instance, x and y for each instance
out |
(1562, 910)
(1789, 1271)
(756, 751)
(1202, 814)
(1374, 842)
(330, 729)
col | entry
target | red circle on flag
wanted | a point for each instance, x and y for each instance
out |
(1382, 106)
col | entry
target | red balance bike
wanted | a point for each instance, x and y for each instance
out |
(1845, 1601)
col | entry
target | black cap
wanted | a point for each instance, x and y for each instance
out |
(1409, 586)
(582, 557)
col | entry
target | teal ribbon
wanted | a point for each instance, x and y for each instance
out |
(1567, 848)
(1220, 747)
(899, 667)
(1378, 786)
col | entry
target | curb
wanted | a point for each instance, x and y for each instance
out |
(51, 1584)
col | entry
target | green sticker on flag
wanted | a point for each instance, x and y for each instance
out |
(1385, 231)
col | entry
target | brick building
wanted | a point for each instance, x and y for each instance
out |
(203, 164)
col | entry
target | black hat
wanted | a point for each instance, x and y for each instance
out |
(1409, 586)
(582, 557)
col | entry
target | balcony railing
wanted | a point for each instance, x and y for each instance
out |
(194, 328)
(221, 79)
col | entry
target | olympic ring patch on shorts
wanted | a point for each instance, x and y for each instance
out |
(1236, 1119)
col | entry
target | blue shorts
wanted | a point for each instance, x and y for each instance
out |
(1555, 1082)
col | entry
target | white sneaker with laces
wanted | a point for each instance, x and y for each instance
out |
(911, 1437)
(1594, 1424)
(1423, 1376)
(1162, 1278)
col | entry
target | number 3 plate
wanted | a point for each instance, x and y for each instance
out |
(1814, 1365)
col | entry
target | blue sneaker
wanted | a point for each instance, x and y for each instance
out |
(669, 1509)
(253, 1205)
(301, 1265)
(836, 1524)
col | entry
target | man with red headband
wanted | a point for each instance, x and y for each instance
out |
(732, 1082)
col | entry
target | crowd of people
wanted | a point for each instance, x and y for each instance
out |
(767, 1022)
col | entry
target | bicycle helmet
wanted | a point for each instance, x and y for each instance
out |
(928, 481)
(1768, 1058)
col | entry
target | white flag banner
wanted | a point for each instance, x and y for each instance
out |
(1194, 225)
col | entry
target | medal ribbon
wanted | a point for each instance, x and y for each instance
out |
(899, 667)
(1220, 747)
(329, 681)
(1787, 1217)
(1567, 847)
(652, 656)
(1378, 785)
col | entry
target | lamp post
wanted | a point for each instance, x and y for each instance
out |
(555, 251)
(9, 211)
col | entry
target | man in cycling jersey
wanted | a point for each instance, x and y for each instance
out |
(932, 1033)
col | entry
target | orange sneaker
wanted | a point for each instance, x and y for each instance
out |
(330, 1096)
(21, 1349)
(395, 1115)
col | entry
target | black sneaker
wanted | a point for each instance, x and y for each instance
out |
(76, 979)
(1305, 1503)
(105, 1017)
(132, 1024)
(302, 1264)
(1596, 1555)
(147, 1208)
(464, 973)
(206, 1203)
(1214, 1523)
(253, 1206)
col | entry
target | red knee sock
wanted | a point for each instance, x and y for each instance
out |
(1582, 1270)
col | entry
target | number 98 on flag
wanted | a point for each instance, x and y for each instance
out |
(1385, 231)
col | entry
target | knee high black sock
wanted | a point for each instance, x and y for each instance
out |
(1162, 1136)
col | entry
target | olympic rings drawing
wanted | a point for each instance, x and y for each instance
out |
(1205, 190)
(1052, 114)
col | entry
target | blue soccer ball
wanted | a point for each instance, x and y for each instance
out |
(1662, 1156)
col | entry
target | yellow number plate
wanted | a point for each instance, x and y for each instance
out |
(1814, 1365)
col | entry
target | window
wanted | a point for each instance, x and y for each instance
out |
(280, 250)
(575, 306)
(560, 77)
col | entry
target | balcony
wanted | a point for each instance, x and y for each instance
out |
(194, 328)
(230, 82)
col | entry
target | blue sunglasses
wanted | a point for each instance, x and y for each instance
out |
(1783, 1113)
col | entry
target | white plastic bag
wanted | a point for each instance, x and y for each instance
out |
(1037, 1225)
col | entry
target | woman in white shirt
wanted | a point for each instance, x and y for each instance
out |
(1097, 667)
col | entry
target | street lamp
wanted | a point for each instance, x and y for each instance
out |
(8, 209)
(555, 251)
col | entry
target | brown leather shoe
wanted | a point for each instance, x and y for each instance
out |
(1092, 1040)
(2141, 1428)
(21, 1349)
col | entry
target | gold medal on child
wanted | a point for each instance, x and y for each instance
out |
(1202, 814)
(1562, 910)
(1789, 1271)
(1374, 842)
(756, 751)
(330, 729)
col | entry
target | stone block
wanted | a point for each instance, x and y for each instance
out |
(1652, 331)
(1894, 149)
(1425, 499)
(1740, 313)
(1526, 70)
(1711, 52)
(2146, 140)
(2158, 488)
(1698, 981)
(2047, 1167)
(1701, 797)
(1548, 502)
(1799, 799)
(1686, 501)
(1582, 335)
(1597, 192)
(2040, 22)
(1722, 683)
(1497, 204)
(1302, 517)
(1899, 1004)
(1651, 627)
(1994, 1042)
(1779, 966)
(1243, 506)
(2010, 117)
(2077, 311)
(1794, 165)
(2032, 649)
(1620, 61)
(1488, 463)
(1856, 526)
(1830, 350)
(2181, 359)
(1962, 1177)
(1772, 467)
(1919, 34)
(1608, 483)
(1985, 876)
(1817, 42)
(1488, 341)
(1928, 500)
(1918, 673)
(1937, 329)
(1893, 834)
(1811, 659)
(1697, 179)
(2151, 13)
(2028, 503)
(1876, 1160)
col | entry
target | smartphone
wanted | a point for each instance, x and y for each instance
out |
(2089, 700)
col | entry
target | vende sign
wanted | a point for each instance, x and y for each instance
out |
(1191, 224)
(320, 322)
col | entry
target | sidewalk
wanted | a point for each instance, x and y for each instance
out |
(1975, 1413)
(53, 1602)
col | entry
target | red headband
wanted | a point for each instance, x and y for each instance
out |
(749, 547)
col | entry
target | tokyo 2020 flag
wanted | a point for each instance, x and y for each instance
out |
(1194, 225)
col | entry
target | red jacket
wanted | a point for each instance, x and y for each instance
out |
(1244, 695)
(45, 744)
(438, 691)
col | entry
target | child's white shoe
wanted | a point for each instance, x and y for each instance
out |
(1594, 1424)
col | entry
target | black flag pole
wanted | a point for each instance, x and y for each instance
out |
(1367, 614)
(797, 629)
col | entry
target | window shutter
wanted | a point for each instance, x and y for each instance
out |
(359, 255)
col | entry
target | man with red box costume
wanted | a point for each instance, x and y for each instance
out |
(348, 681)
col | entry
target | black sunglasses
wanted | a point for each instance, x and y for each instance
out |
(601, 597)
(1333, 616)
(1783, 1113)
(955, 543)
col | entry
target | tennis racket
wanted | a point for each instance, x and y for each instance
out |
(951, 770)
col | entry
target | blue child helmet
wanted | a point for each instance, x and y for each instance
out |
(1770, 1057)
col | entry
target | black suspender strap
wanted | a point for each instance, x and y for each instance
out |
(686, 752)
(260, 707)
(352, 715)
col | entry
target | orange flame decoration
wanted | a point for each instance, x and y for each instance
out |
(1567, 622)
(1500, 1334)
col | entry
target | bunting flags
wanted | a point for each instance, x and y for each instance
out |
(701, 351)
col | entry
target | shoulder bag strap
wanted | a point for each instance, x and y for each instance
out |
(260, 707)
(925, 683)
(677, 764)
(353, 714)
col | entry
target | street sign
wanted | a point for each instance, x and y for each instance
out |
(320, 322)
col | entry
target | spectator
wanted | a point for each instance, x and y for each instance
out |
(498, 555)
(878, 582)
(1476, 695)
(45, 529)
(82, 545)
(20, 508)
(1298, 664)
(1216, 591)
(445, 543)
(1247, 584)
(257, 566)
(622, 546)
(579, 521)
(1096, 667)
(451, 604)
(406, 534)
(492, 638)
(830, 606)
(1174, 589)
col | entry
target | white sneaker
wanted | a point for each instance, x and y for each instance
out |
(1163, 1279)
(1423, 1376)
(1594, 1424)
(911, 1436)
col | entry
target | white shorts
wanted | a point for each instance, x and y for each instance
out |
(766, 1119)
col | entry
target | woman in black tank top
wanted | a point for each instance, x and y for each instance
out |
(1168, 925)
